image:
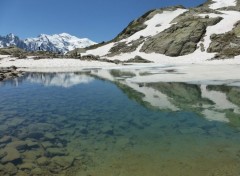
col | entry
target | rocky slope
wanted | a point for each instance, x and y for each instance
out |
(55, 43)
(209, 31)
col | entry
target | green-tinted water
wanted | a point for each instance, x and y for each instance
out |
(79, 124)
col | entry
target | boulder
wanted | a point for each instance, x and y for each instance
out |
(138, 59)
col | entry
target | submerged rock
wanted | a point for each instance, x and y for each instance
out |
(43, 161)
(19, 145)
(63, 161)
(5, 139)
(27, 166)
(10, 169)
(32, 144)
(32, 154)
(36, 171)
(47, 144)
(12, 154)
(56, 152)
(49, 136)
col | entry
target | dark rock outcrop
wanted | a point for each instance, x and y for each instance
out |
(181, 38)
(226, 45)
(138, 59)
(9, 73)
(122, 47)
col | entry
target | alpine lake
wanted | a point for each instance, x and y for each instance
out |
(105, 123)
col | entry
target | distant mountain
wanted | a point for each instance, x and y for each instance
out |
(209, 31)
(11, 40)
(55, 43)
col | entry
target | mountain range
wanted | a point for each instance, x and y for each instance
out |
(55, 43)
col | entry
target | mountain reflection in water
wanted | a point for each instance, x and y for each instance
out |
(214, 102)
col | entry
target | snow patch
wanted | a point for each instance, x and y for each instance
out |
(225, 25)
(157, 24)
(222, 3)
(100, 51)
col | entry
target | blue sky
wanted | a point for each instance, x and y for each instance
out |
(99, 20)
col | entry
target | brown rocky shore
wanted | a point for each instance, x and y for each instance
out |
(9, 73)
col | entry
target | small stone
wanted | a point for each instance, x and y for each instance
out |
(12, 154)
(2, 153)
(43, 161)
(56, 152)
(32, 154)
(107, 130)
(13, 122)
(10, 169)
(47, 144)
(1, 167)
(5, 139)
(49, 136)
(192, 130)
(32, 144)
(19, 145)
(63, 161)
(35, 135)
(22, 173)
(122, 142)
(36, 171)
(28, 166)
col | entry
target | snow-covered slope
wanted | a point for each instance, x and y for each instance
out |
(56, 43)
(176, 34)
(222, 3)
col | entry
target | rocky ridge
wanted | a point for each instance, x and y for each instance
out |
(185, 34)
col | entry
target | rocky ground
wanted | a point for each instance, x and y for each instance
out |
(9, 73)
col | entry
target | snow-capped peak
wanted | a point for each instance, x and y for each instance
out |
(11, 35)
(63, 42)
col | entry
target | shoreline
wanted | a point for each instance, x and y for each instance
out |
(216, 71)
